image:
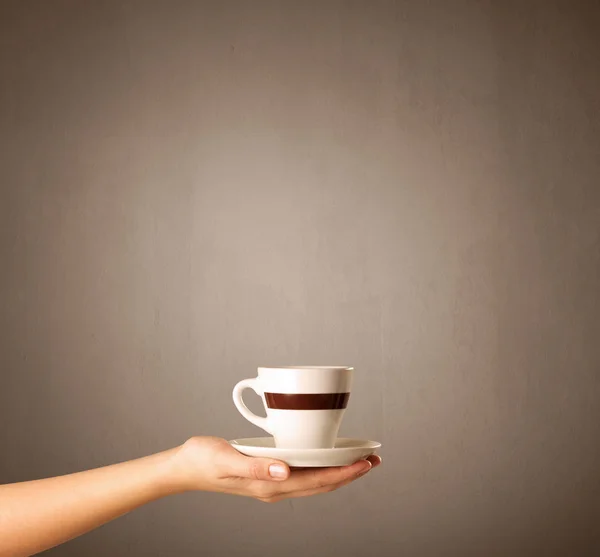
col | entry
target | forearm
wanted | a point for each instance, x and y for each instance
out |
(40, 514)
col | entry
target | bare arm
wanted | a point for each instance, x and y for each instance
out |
(40, 514)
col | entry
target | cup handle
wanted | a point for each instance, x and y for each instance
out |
(238, 400)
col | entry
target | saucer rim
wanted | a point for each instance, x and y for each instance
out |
(361, 443)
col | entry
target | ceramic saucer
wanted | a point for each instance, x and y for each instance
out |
(346, 451)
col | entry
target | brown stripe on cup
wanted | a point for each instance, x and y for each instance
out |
(321, 401)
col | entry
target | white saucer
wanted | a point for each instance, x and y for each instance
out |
(346, 451)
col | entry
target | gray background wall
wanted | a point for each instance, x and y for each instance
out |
(192, 189)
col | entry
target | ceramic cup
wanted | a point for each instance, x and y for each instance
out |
(304, 404)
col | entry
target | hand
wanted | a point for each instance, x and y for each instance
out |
(40, 514)
(212, 464)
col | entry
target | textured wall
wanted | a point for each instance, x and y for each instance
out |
(192, 189)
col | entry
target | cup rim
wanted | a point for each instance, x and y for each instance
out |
(306, 368)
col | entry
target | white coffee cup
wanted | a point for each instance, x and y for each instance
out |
(304, 404)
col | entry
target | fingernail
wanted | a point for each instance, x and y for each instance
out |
(277, 471)
(364, 469)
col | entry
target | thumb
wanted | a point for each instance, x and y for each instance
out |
(259, 468)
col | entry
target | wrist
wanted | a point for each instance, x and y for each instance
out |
(190, 465)
(169, 477)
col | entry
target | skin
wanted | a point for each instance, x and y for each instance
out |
(40, 514)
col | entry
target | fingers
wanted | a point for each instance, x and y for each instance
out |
(310, 479)
(317, 481)
(266, 469)
(317, 478)
(375, 460)
(319, 490)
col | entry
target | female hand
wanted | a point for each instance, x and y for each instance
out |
(212, 464)
(40, 514)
